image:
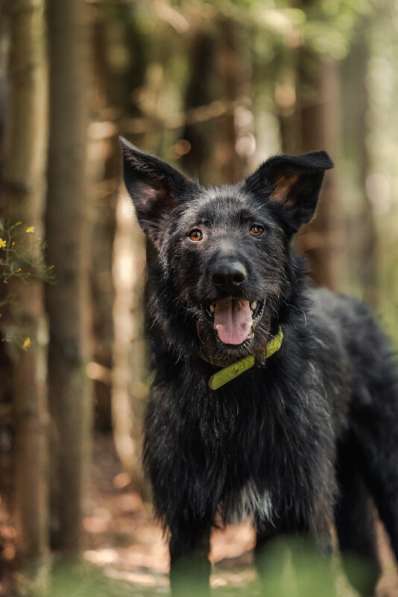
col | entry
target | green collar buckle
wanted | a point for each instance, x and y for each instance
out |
(229, 373)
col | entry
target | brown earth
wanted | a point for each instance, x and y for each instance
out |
(127, 543)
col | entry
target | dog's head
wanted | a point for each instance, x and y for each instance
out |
(223, 252)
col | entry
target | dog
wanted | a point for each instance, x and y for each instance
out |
(270, 399)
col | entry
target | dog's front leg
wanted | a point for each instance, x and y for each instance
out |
(189, 561)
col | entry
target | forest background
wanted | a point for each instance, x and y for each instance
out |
(215, 88)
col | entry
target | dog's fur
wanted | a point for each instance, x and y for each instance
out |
(301, 440)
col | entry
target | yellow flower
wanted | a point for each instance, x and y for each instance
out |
(30, 229)
(3, 243)
(27, 343)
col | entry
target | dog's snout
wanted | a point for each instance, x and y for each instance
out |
(229, 273)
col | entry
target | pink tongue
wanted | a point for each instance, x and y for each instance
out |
(232, 320)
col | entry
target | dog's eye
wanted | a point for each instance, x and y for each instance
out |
(196, 235)
(256, 230)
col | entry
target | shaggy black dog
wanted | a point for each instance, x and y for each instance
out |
(303, 436)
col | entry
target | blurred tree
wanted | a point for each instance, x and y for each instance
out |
(285, 98)
(216, 146)
(233, 72)
(356, 98)
(318, 122)
(119, 357)
(130, 373)
(103, 227)
(6, 387)
(120, 60)
(195, 136)
(324, 36)
(24, 187)
(67, 235)
(382, 141)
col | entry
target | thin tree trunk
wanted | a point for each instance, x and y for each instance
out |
(233, 138)
(68, 243)
(117, 316)
(103, 226)
(356, 71)
(318, 101)
(130, 373)
(5, 359)
(199, 92)
(115, 92)
(218, 150)
(285, 101)
(24, 188)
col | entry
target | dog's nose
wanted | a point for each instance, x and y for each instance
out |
(229, 273)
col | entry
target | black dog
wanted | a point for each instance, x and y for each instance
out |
(302, 438)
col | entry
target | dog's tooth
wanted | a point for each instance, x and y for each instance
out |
(253, 305)
(212, 308)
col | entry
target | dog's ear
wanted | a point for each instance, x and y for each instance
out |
(293, 182)
(154, 186)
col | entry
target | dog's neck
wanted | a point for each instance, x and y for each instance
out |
(227, 374)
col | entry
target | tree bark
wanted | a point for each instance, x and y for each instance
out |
(356, 146)
(6, 390)
(285, 96)
(318, 117)
(218, 150)
(233, 133)
(130, 373)
(68, 244)
(103, 225)
(24, 187)
(198, 93)
(116, 91)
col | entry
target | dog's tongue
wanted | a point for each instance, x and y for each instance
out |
(232, 320)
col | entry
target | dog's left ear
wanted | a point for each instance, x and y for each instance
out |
(293, 182)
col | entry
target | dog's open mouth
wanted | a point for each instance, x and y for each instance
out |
(234, 319)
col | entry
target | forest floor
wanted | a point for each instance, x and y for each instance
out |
(126, 553)
(127, 544)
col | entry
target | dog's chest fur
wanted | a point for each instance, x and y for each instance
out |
(252, 503)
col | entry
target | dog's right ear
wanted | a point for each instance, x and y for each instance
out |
(154, 186)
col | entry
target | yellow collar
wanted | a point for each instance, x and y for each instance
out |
(229, 373)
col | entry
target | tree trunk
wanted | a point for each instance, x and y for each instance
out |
(356, 146)
(318, 102)
(68, 243)
(130, 373)
(285, 96)
(6, 390)
(218, 149)
(199, 92)
(234, 142)
(116, 91)
(103, 226)
(119, 252)
(24, 168)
